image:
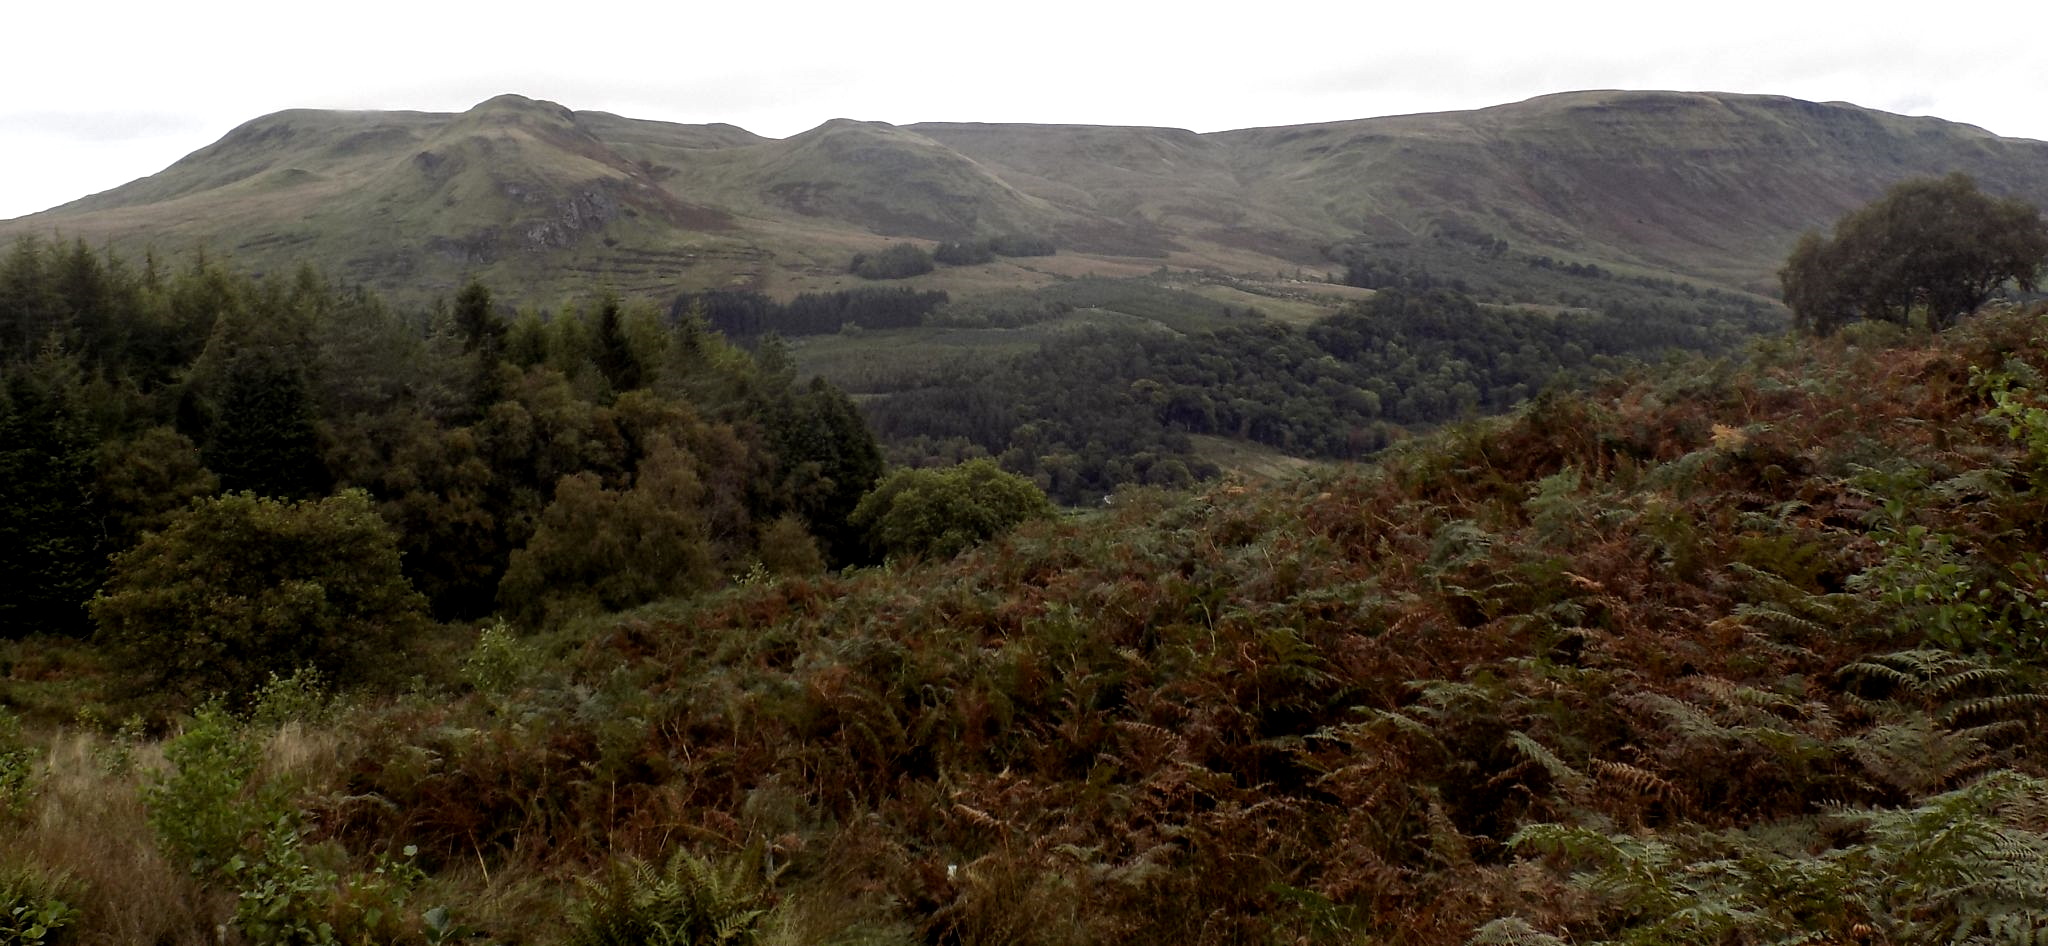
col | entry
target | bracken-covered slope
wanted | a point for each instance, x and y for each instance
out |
(1774, 614)
(1732, 653)
(534, 195)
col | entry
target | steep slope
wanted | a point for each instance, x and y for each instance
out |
(1132, 188)
(890, 181)
(1752, 649)
(1709, 184)
(410, 199)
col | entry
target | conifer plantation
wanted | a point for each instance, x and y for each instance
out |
(334, 621)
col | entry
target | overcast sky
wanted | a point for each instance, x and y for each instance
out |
(93, 95)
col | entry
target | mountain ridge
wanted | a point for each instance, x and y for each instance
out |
(542, 198)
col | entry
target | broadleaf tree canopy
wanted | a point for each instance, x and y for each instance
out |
(1936, 245)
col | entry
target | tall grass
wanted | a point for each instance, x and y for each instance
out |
(88, 823)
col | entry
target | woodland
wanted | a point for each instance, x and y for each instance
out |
(1610, 613)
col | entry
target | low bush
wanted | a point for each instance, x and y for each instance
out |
(241, 588)
(690, 901)
(32, 909)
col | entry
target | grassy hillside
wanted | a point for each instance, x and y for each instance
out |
(1706, 184)
(1739, 651)
(547, 202)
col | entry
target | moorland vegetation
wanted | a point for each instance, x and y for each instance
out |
(1734, 653)
(469, 625)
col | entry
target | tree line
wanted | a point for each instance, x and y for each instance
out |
(904, 260)
(1095, 408)
(744, 313)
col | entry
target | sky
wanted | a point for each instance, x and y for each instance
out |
(95, 95)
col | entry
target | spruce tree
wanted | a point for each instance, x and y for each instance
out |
(264, 440)
(483, 341)
(615, 357)
(826, 459)
(51, 555)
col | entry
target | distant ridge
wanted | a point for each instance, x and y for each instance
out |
(544, 200)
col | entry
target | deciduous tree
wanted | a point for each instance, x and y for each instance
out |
(941, 513)
(241, 586)
(1935, 246)
(600, 549)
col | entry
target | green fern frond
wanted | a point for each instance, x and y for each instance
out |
(1886, 673)
(1803, 614)
(1916, 755)
(2001, 707)
(690, 901)
(1974, 485)
(1947, 686)
(1512, 931)
(1966, 866)
(1560, 772)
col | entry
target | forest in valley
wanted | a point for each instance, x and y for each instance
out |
(490, 447)
(332, 621)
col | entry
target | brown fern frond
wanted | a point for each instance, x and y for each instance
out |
(1644, 783)
(977, 816)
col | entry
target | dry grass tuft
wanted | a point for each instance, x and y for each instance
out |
(89, 824)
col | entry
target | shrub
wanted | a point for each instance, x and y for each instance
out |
(17, 769)
(32, 910)
(692, 902)
(940, 513)
(1020, 245)
(289, 895)
(300, 697)
(240, 588)
(206, 806)
(787, 548)
(965, 253)
(500, 663)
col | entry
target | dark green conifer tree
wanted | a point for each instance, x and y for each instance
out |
(826, 460)
(615, 357)
(264, 439)
(483, 342)
(30, 308)
(51, 556)
(479, 325)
